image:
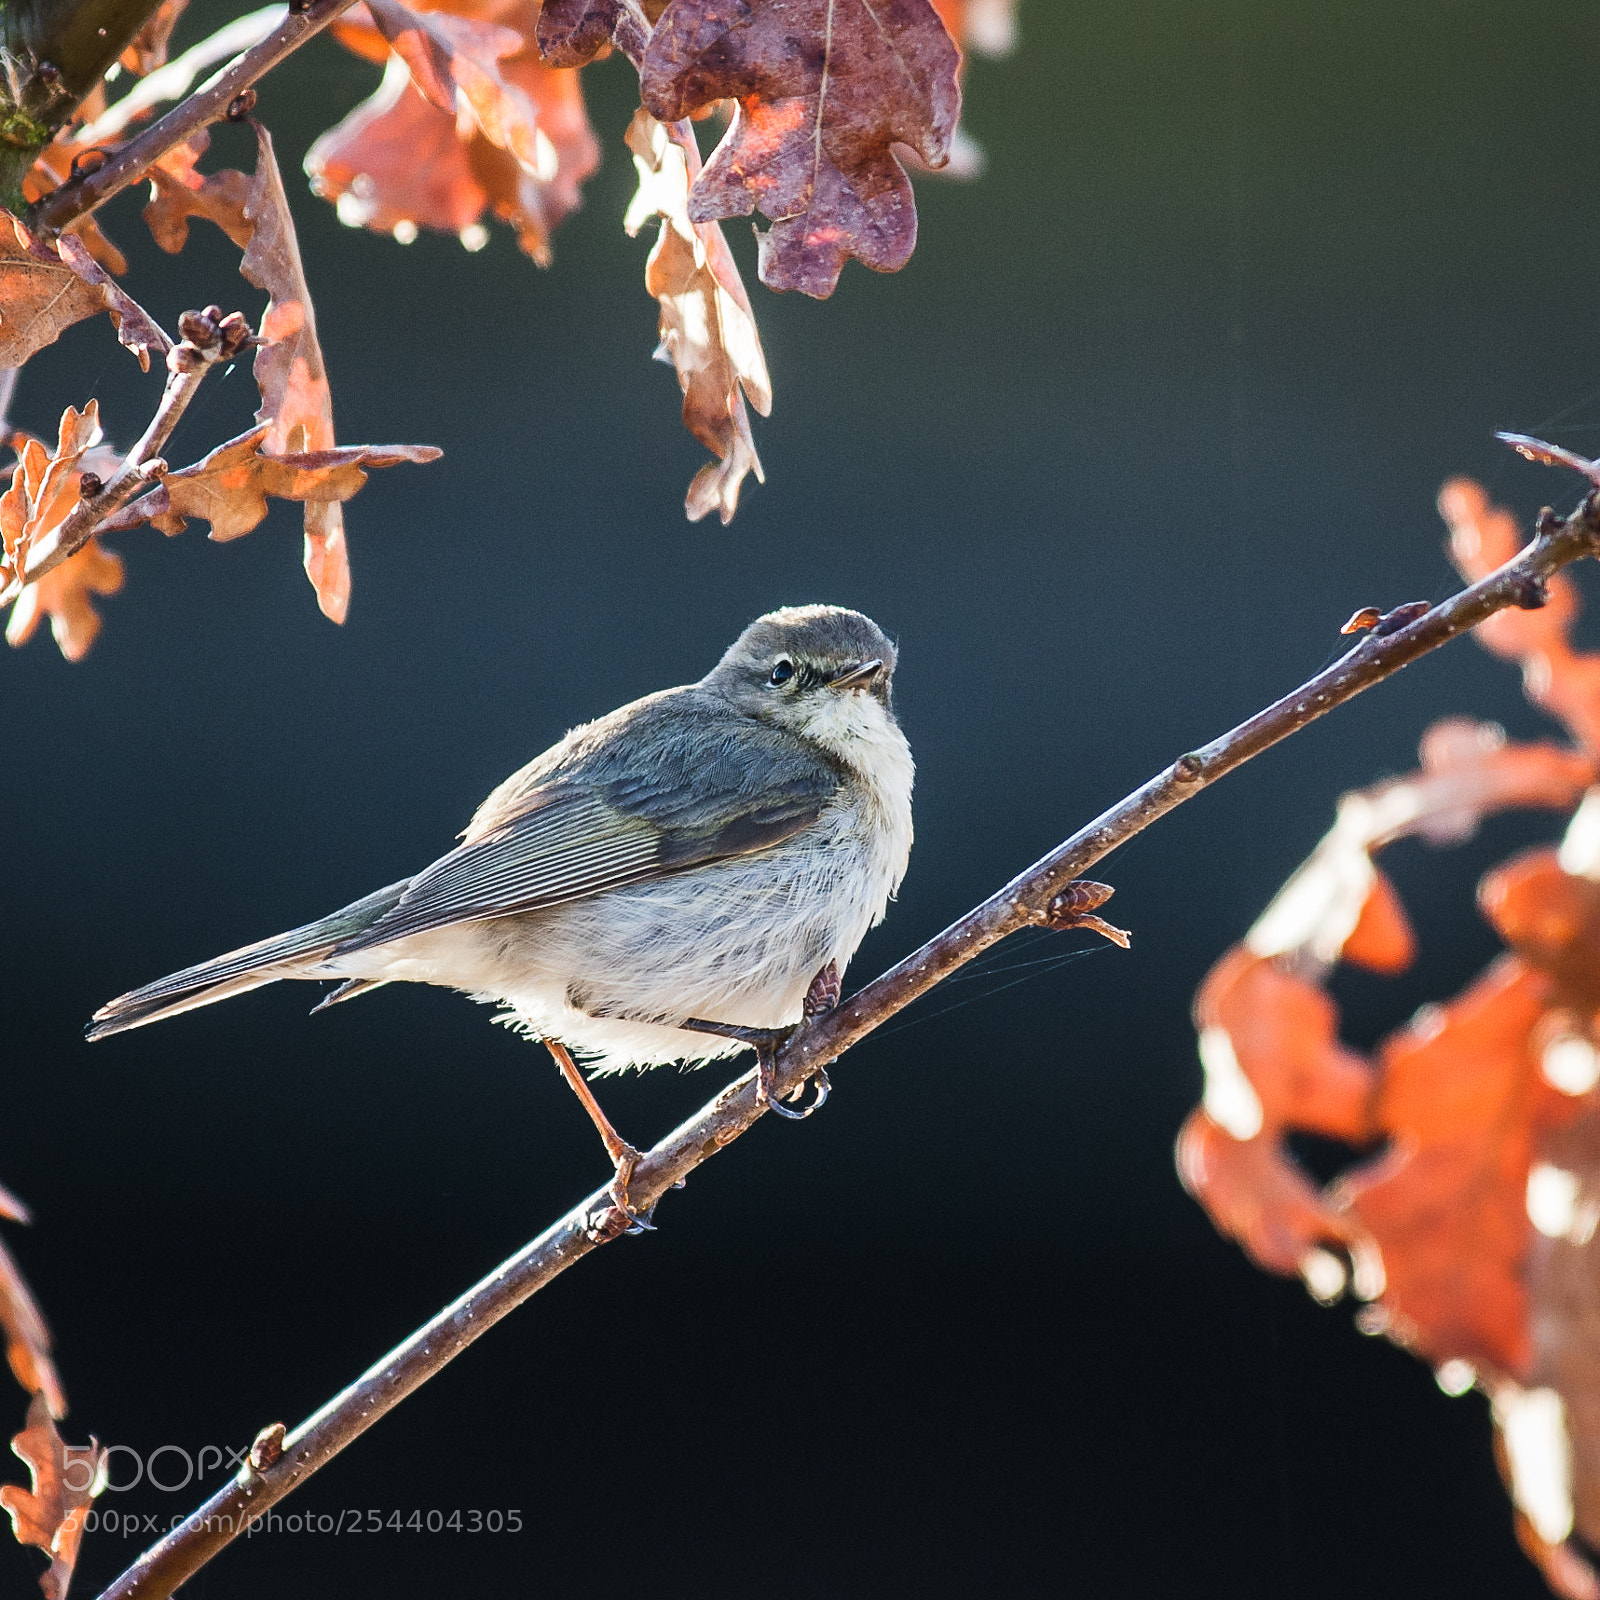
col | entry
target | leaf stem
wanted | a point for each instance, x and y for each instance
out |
(209, 103)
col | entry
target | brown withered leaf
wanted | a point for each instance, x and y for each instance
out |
(178, 192)
(44, 486)
(979, 27)
(1273, 1062)
(289, 369)
(66, 1480)
(520, 151)
(572, 33)
(446, 54)
(1555, 677)
(147, 50)
(229, 488)
(1465, 1107)
(1467, 771)
(26, 1333)
(64, 594)
(825, 90)
(136, 328)
(708, 332)
(40, 295)
(43, 489)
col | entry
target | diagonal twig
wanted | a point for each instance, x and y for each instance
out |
(208, 337)
(1042, 894)
(81, 195)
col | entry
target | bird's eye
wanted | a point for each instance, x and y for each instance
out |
(782, 672)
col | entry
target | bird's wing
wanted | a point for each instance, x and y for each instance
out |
(602, 824)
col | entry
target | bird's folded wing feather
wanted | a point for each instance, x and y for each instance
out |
(607, 825)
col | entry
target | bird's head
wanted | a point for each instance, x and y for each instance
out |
(821, 671)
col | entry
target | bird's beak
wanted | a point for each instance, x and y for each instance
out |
(859, 677)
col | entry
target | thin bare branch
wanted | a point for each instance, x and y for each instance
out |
(208, 337)
(208, 104)
(1043, 895)
(172, 81)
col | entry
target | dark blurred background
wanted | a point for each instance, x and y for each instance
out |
(1158, 402)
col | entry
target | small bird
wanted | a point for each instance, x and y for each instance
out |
(676, 881)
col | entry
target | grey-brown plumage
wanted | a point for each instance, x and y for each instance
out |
(702, 852)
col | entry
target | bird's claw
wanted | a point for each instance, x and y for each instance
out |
(766, 1094)
(619, 1219)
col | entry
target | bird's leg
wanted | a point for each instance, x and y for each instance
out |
(1075, 906)
(623, 1155)
(821, 997)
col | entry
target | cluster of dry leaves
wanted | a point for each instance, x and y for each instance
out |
(66, 1479)
(1468, 1220)
(480, 115)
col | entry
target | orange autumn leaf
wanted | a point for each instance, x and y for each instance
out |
(519, 147)
(707, 329)
(1273, 1064)
(65, 595)
(229, 488)
(289, 367)
(26, 1334)
(1464, 1105)
(984, 27)
(44, 289)
(147, 50)
(65, 1481)
(178, 192)
(812, 141)
(1382, 940)
(44, 486)
(1556, 677)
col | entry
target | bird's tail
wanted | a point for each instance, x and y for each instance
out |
(289, 955)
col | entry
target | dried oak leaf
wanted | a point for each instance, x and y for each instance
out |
(825, 90)
(1465, 1106)
(179, 192)
(66, 1480)
(229, 488)
(1338, 903)
(708, 332)
(1555, 677)
(44, 290)
(1268, 1041)
(147, 50)
(1564, 1295)
(136, 328)
(289, 368)
(64, 595)
(26, 1333)
(979, 27)
(44, 486)
(468, 119)
(1551, 918)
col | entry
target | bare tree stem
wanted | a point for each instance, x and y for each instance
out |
(208, 104)
(1040, 894)
(207, 339)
